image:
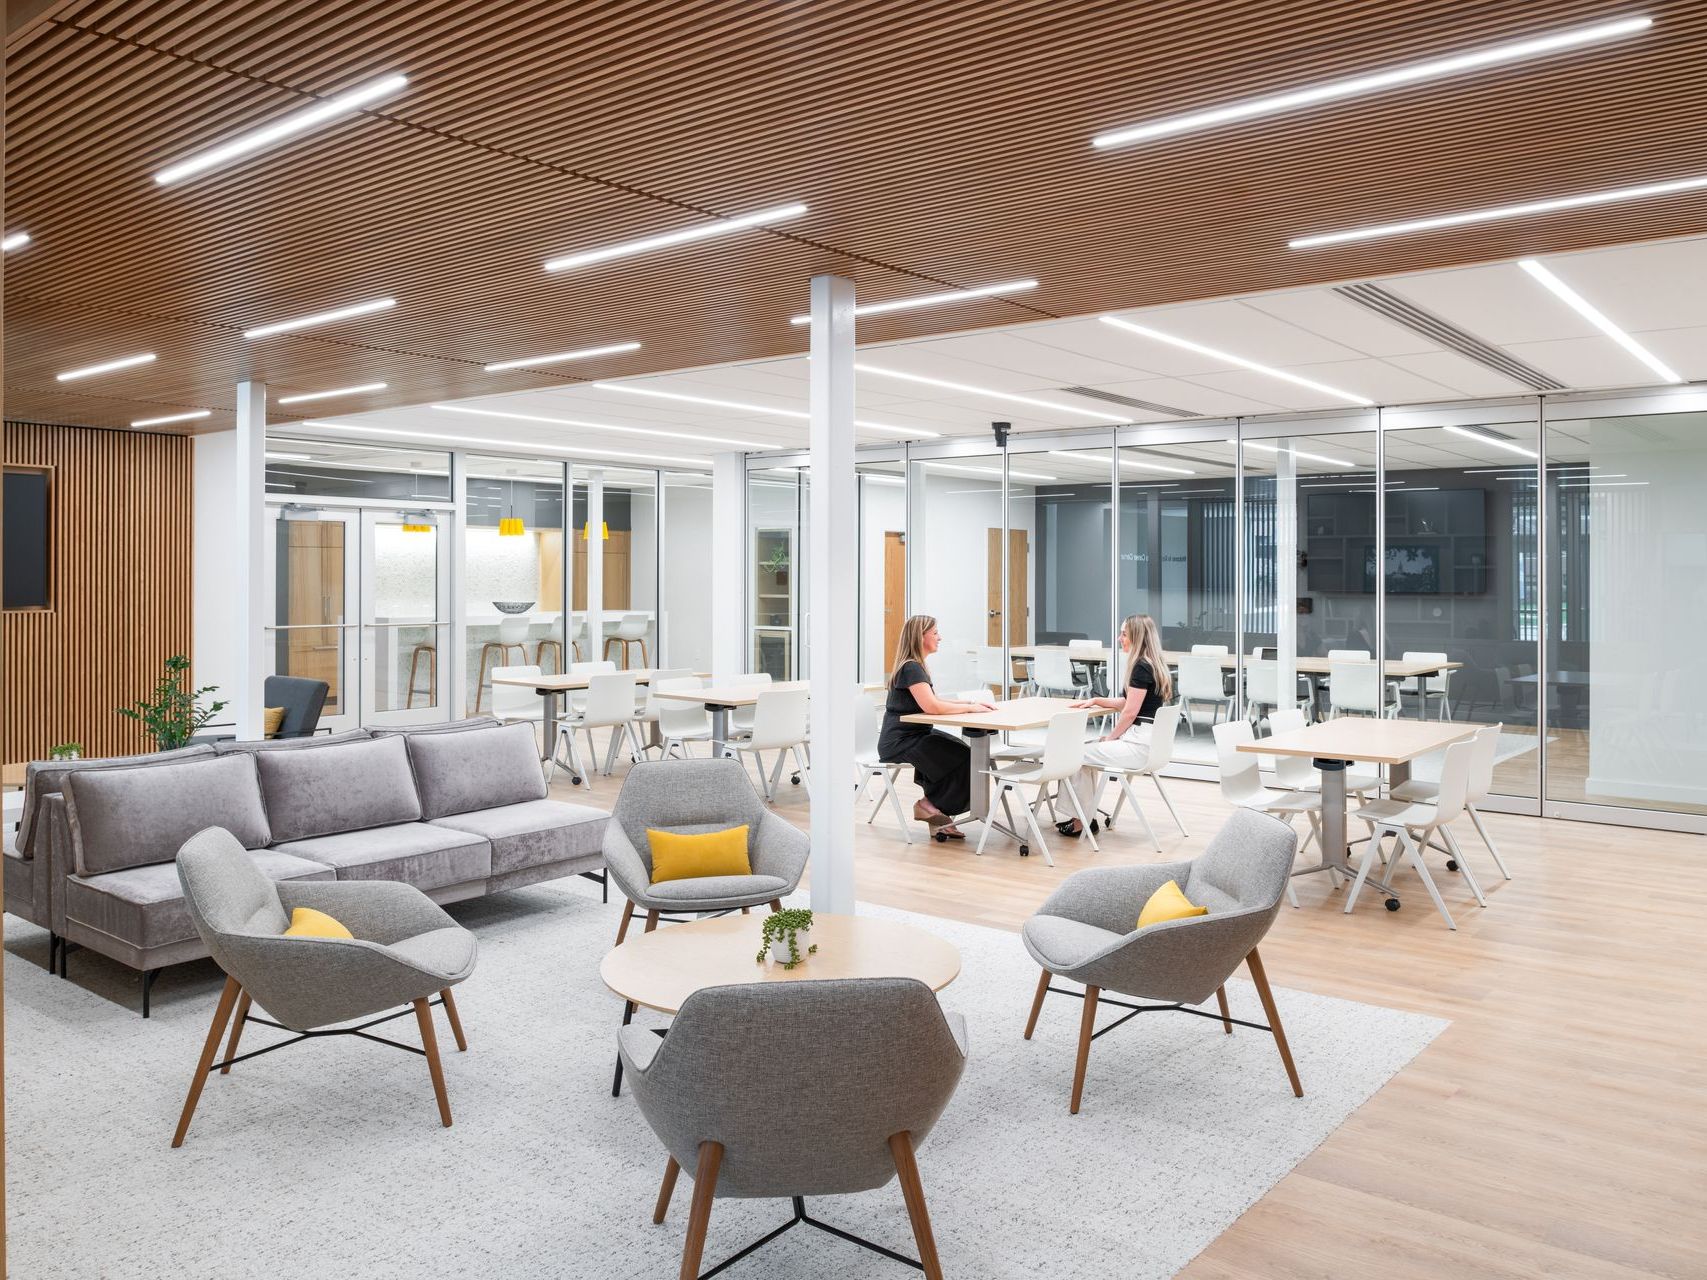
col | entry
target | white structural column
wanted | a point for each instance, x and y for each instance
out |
(1286, 571)
(249, 527)
(833, 600)
(728, 566)
(594, 533)
(451, 658)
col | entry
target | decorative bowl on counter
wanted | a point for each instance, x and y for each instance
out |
(512, 606)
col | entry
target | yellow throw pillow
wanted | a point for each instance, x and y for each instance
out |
(272, 720)
(306, 922)
(714, 853)
(1168, 903)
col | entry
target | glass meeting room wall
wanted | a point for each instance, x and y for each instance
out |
(956, 565)
(1060, 526)
(684, 568)
(882, 562)
(775, 548)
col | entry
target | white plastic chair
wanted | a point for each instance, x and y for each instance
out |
(610, 705)
(1262, 690)
(1295, 773)
(1241, 785)
(1052, 672)
(741, 718)
(512, 703)
(1482, 761)
(987, 670)
(1355, 688)
(646, 704)
(779, 725)
(1063, 757)
(630, 630)
(868, 764)
(1414, 825)
(680, 723)
(1426, 687)
(1121, 773)
(1200, 681)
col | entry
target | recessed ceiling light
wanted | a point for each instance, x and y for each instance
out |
(987, 471)
(1299, 453)
(1500, 213)
(1482, 438)
(17, 240)
(934, 299)
(800, 415)
(1188, 345)
(1270, 104)
(335, 391)
(297, 122)
(598, 426)
(531, 446)
(89, 371)
(323, 317)
(1125, 462)
(585, 353)
(173, 417)
(984, 391)
(1588, 311)
(700, 231)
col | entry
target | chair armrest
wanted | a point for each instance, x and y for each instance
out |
(624, 863)
(1183, 960)
(780, 849)
(380, 911)
(1111, 897)
(637, 1047)
(315, 982)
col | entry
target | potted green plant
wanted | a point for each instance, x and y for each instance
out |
(782, 935)
(778, 563)
(66, 751)
(174, 712)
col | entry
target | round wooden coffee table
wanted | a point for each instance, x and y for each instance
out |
(661, 969)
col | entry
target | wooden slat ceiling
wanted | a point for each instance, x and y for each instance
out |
(937, 144)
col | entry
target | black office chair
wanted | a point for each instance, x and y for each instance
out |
(302, 700)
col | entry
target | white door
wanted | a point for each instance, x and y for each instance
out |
(312, 581)
(405, 617)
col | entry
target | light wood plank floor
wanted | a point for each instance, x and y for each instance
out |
(1558, 1128)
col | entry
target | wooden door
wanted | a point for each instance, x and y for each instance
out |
(1019, 549)
(894, 592)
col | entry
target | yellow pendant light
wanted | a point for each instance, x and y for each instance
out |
(511, 526)
(604, 531)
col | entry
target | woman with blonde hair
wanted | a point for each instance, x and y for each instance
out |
(1148, 686)
(942, 765)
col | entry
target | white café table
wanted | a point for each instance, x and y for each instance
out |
(1331, 745)
(551, 687)
(721, 699)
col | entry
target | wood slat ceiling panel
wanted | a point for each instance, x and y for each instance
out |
(937, 144)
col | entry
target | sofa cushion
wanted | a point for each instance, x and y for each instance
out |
(447, 726)
(45, 778)
(133, 817)
(425, 856)
(145, 906)
(477, 769)
(293, 744)
(533, 833)
(344, 787)
(719, 891)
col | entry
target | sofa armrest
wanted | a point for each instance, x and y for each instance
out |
(382, 911)
(60, 858)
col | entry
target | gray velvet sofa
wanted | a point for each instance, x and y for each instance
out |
(457, 810)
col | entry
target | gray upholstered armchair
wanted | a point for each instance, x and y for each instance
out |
(1086, 932)
(692, 796)
(855, 1074)
(405, 950)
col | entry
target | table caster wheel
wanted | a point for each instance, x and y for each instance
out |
(1094, 827)
(1452, 864)
(1392, 904)
(939, 837)
(795, 779)
(1109, 824)
(576, 780)
(1025, 851)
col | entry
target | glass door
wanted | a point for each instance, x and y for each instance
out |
(312, 582)
(405, 618)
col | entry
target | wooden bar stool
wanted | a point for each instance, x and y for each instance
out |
(512, 634)
(630, 631)
(430, 652)
(556, 647)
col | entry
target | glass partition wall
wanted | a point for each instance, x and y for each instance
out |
(512, 581)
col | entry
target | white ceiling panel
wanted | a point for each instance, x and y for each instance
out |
(1244, 331)
(1685, 350)
(1056, 366)
(1499, 304)
(1659, 286)
(1453, 371)
(1585, 362)
(1197, 395)
(1340, 320)
(923, 359)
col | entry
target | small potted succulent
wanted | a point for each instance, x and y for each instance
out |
(66, 751)
(784, 937)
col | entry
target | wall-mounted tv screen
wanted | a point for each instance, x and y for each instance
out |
(1412, 570)
(1437, 542)
(26, 566)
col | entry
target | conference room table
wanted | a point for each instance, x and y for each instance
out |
(1332, 745)
(552, 687)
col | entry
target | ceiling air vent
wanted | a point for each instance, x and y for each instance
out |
(1391, 306)
(1149, 406)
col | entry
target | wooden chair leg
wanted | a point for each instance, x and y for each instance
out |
(666, 1191)
(455, 1020)
(1226, 1016)
(627, 915)
(1087, 1026)
(776, 904)
(236, 1033)
(651, 921)
(913, 1190)
(1260, 978)
(1037, 1002)
(699, 1217)
(221, 1015)
(430, 1042)
(480, 684)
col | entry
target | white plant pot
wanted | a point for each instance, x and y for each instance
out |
(779, 946)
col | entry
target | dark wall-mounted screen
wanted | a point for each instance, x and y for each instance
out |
(1437, 542)
(26, 564)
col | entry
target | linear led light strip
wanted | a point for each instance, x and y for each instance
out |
(983, 391)
(562, 357)
(109, 366)
(529, 446)
(1188, 345)
(1125, 462)
(173, 417)
(335, 391)
(17, 240)
(1588, 311)
(1480, 438)
(933, 299)
(629, 388)
(322, 317)
(1493, 55)
(289, 126)
(1299, 453)
(987, 471)
(597, 426)
(1500, 213)
(687, 235)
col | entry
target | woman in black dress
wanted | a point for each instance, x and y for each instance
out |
(941, 764)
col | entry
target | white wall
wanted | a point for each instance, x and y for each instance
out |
(688, 595)
(216, 600)
(883, 508)
(499, 568)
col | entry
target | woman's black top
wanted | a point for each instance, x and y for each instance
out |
(1143, 678)
(896, 736)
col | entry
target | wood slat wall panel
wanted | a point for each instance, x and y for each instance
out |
(119, 509)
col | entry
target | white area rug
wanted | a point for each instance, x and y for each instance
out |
(328, 1159)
